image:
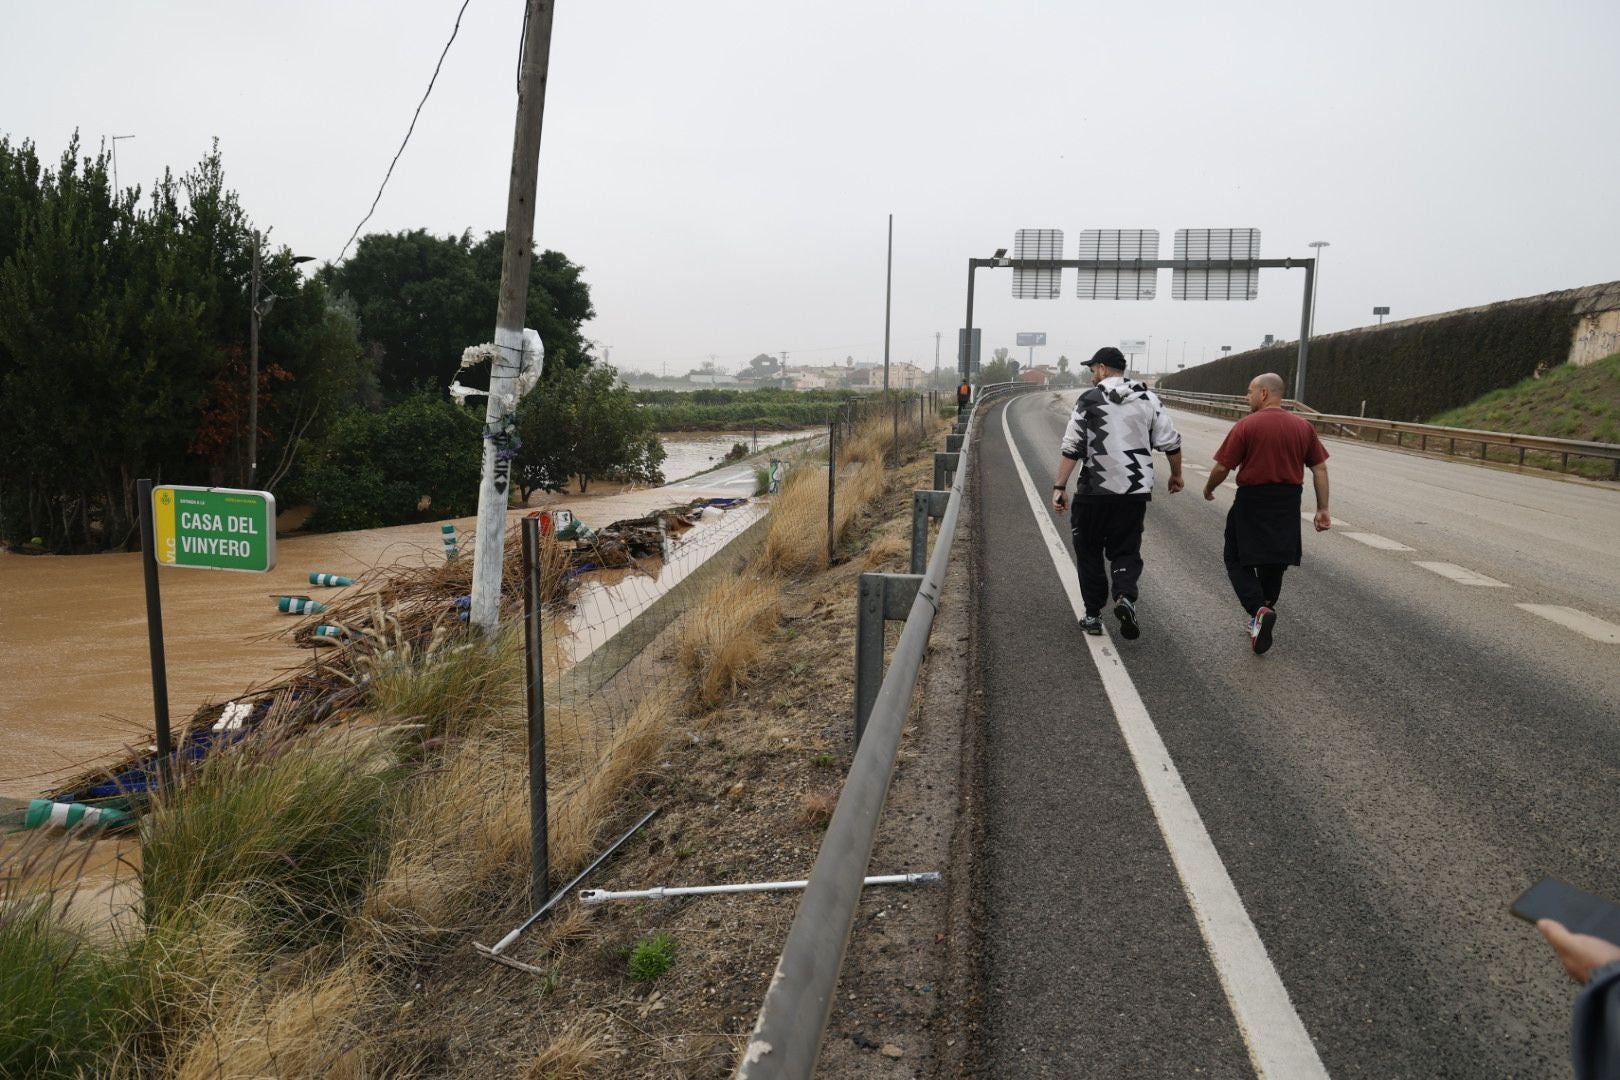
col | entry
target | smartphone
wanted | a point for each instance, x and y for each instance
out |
(1580, 912)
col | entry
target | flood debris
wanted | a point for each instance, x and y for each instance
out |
(398, 609)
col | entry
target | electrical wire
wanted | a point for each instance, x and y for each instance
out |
(453, 32)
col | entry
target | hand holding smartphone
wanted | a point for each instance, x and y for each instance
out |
(1579, 912)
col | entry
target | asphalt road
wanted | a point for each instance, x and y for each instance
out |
(1415, 750)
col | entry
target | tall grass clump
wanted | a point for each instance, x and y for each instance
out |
(454, 685)
(282, 835)
(64, 1001)
(796, 535)
(724, 636)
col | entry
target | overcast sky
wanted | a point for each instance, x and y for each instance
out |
(724, 170)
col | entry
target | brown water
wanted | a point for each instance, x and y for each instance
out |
(75, 672)
(75, 676)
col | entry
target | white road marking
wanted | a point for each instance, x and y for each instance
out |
(1278, 1043)
(1339, 524)
(1578, 621)
(1382, 543)
(1461, 574)
(1198, 468)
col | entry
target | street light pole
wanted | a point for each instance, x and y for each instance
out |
(1312, 272)
(258, 308)
(1318, 245)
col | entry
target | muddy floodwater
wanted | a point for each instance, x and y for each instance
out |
(687, 453)
(75, 677)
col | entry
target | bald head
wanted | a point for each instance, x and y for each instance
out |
(1265, 392)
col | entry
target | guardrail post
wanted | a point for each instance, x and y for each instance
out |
(924, 505)
(953, 443)
(882, 597)
(945, 466)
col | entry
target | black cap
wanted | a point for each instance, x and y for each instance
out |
(1108, 356)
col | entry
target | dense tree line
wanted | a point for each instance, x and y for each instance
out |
(124, 341)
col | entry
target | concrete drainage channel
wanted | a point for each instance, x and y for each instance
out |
(787, 1037)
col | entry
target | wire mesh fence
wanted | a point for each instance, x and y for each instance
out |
(302, 900)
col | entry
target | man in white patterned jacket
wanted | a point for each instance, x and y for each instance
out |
(1115, 427)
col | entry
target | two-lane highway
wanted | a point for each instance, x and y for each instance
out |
(1204, 862)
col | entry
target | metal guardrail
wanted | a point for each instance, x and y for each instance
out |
(1361, 426)
(786, 1039)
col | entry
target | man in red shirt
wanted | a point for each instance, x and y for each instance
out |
(1270, 449)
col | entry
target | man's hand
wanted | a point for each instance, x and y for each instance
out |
(1176, 484)
(1581, 954)
(1322, 521)
(1060, 500)
(1209, 493)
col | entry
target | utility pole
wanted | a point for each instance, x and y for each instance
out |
(115, 138)
(936, 358)
(253, 368)
(510, 314)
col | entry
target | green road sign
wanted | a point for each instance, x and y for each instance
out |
(214, 528)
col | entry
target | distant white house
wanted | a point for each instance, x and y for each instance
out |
(902, 376)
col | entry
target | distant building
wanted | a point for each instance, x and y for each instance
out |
(1039, 376)
(902, 376)
(710, 378)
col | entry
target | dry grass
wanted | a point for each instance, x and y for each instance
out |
(573, 1053)
(317, 1029)
(888, 551)
(725, 635)
(796, 536)
(816, 808)
(579, 812)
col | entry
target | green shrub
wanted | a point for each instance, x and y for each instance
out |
(64, 1002)
(282, 836)
(418, 461)
(652, 957)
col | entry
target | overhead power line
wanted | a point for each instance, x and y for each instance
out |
(453, 32)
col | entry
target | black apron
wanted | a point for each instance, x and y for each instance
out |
(1262, 528)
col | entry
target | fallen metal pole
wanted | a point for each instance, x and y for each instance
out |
(501, 945)
(601, 896)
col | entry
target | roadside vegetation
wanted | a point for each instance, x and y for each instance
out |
(307, 900)
(145, 297)
(1567, 402)
(733, 410)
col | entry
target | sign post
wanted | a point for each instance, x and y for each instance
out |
(1130, 347)
(202, 528)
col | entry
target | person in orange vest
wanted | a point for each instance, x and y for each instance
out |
(964, 393)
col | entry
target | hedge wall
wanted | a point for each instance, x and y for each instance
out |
(1411, 370)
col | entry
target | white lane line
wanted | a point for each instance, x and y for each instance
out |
(1278, 1044)
(1382, 543)
(1339, 524)
(1461, 574)
(1578, 621)
(1198, 468)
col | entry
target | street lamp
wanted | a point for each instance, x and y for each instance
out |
(1318, 245)
(259, 306)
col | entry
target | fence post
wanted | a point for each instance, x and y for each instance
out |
(832, 482)
(535, 681)
(924, 505)
(881, 598)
